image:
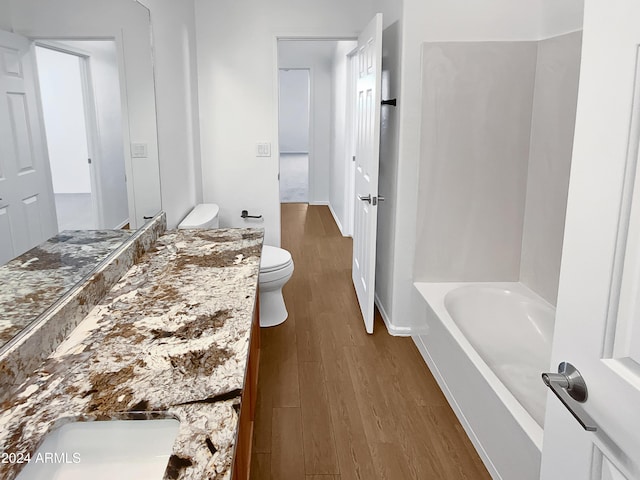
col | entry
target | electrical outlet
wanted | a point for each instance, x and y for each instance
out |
(263, 149)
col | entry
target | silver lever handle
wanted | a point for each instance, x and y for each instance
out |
(569, 386)
(365, 199)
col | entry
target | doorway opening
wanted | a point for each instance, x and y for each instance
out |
(82, 116)
(293, 134)
(313, 129)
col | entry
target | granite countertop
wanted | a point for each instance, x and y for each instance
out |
(171, 338)
(36, 279)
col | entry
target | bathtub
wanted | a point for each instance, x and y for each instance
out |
(487, 345)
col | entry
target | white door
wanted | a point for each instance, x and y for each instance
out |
(27, 209)
(367, 159)
(598, 314)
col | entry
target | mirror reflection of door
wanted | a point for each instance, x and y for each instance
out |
(80, 94)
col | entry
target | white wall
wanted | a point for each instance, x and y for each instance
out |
(238, 94)
(317, 57)
(391, 11)
(5, 16)
(293, 110)
(61, 92)
(176, 81)
(560, 16)
(341, 163)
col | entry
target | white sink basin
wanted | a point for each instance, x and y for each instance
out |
(116, 449)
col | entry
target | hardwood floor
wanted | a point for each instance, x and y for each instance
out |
(335, 403)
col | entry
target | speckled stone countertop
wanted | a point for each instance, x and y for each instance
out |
(37, 278)
(171, 338)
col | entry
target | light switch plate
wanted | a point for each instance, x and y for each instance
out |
(139, 150)
(263, 149)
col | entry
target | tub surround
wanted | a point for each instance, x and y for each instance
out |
(492, 206)
(26, 351)
(32, 282)
(171, 338)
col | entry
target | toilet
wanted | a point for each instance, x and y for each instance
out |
(203, 216)
(276, 266)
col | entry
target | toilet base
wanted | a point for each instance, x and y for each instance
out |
(272, 308)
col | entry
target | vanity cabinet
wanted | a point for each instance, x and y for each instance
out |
(242, 460)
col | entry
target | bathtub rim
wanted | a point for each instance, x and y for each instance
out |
(434, 294)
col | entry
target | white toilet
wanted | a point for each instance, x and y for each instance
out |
(276, 266)
(203, 216)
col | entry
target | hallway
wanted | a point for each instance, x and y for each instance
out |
(335, 403)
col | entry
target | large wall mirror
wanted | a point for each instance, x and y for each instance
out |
(78, 136)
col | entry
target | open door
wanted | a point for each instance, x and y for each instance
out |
(598, 315)
(368, 100)
(27, 208)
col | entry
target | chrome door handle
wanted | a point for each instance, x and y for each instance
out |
(370, 199)
(569, 386)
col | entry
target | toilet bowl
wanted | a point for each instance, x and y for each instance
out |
(276, 268)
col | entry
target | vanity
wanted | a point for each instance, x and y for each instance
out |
(176, 339)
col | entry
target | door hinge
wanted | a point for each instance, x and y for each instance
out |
(89, 161)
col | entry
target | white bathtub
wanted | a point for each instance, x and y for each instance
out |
(487, 345)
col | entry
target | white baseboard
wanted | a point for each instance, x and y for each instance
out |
(337, 220)
(391, 328)
(294, 153)
(323, 203)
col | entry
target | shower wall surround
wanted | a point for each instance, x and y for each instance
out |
(553, 121)
(497, 133)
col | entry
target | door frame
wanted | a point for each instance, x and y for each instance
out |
(90, 114)
(284, 36)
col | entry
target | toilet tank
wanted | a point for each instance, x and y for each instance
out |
(203, 216)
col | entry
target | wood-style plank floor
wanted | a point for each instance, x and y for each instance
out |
(335, 403)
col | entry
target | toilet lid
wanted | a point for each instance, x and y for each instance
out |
(273, 258)
(200, 216)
